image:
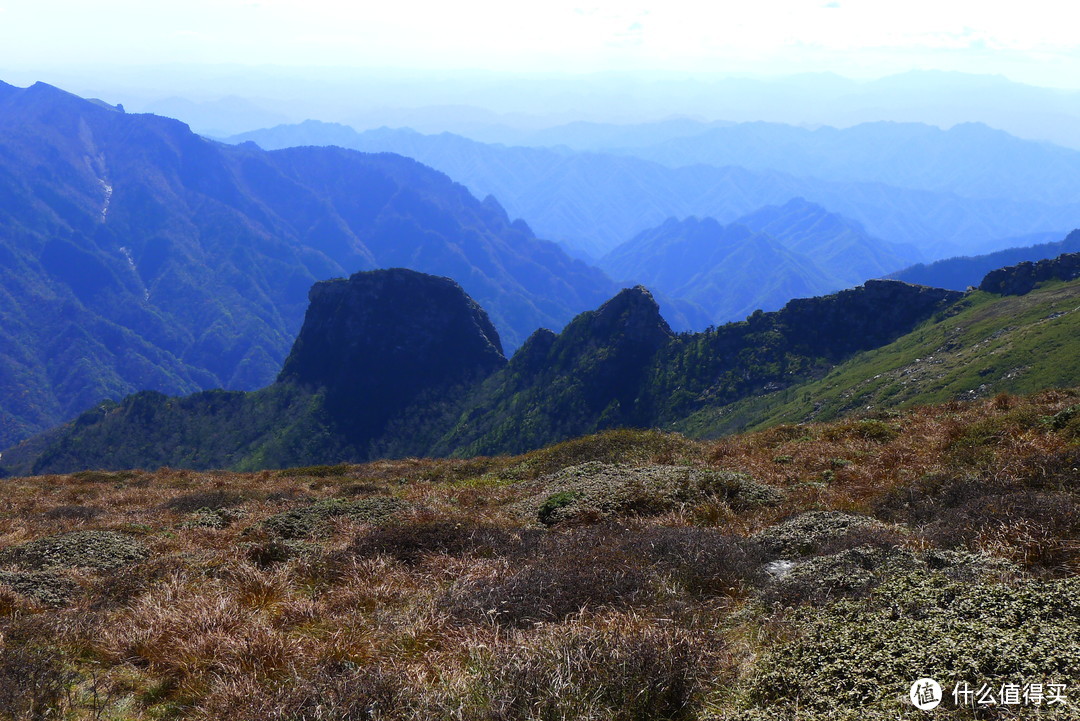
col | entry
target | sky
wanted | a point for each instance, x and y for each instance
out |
(1029, 42)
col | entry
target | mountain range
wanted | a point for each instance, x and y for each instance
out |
(137, 255)
(759, 261)
(970, 160)
(395, 363)
(586, 111)
(140, 256)
(592, 201)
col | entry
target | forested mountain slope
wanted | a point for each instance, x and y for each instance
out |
(135, 255)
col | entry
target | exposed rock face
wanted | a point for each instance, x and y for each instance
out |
(634, 317)
(874, 314)
(379, 340)
(1022, 278)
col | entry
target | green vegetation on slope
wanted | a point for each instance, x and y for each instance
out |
(989, 344)
(601, 375)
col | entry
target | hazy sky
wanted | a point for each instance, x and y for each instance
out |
(1030, 42)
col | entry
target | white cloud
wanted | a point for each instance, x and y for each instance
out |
(560, 34)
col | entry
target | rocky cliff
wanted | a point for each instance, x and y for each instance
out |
(379, 340)
(381, 366)
(1022, 278)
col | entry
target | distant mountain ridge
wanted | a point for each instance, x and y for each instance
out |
(729, 269)
(969, 159)
(594, 201)
(137, 255)
(960, 273)
(760, 261)
(842, 247)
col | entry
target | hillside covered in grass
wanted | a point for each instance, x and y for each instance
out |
(802, 572)
(989, 344)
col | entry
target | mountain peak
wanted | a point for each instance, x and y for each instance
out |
(380, 339)
(634, 312)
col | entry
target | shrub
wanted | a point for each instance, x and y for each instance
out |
(121, 588)
(316, 471)
(210, 500)
(813, 531)
(704, 561)
(825, 578)
(1039, 529)
(559, 574)
(780, 434)
(614, 446)
(1066, 421)
(75, 513)
(33, 683)
(213, 518)
(1033, 520)
(48, 588)
(1058, 470)
(855, 572)
(861, 655)
(98, 550)
(104, 476)
(275, 549)
(592, 491)
(334, 691)
(410, 541)
(313, 519)
(554, 502)
(867, 429)
(556, 575)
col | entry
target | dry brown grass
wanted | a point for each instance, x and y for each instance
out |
(458, 609)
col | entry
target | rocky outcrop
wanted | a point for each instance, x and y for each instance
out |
(871, 315)
(379, 340)
(1022, 278)
(633, 316)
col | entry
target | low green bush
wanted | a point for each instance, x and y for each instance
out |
(97, 550)
(862, 655)
(313, 519)
(593, 491)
